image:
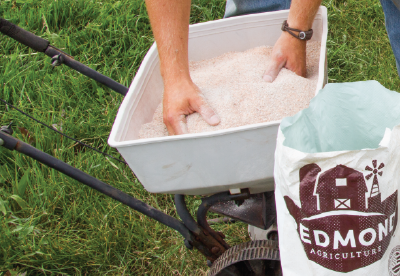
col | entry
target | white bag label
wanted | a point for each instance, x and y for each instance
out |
(344, 208)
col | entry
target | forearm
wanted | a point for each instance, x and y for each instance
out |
(302, 13)
(170, 24)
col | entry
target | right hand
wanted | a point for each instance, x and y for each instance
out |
(181, 99)
(290, 53)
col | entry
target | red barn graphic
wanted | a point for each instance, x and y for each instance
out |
(342, 188)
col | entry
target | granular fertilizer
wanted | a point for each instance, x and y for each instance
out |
(233, 86)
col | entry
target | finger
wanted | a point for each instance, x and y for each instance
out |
(169, 128)
(178, 125)
(208, 114)
(273, 69)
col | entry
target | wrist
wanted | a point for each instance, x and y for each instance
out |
(290, 40)
(176, 80)
(173, 77)
(174, 65)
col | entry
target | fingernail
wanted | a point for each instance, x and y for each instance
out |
(267, 78)
(214, 120)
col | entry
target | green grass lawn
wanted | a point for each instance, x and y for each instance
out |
(51, 224)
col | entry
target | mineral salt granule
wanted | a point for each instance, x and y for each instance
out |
(233, 86)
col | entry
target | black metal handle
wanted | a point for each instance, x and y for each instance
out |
(12, 143)
(29, 39)
(41, 45)
(85, 70)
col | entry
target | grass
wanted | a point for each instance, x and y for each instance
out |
(51, 224)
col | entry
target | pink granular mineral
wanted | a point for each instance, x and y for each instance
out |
(234, 88)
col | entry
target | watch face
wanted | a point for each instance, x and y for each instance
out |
(302, 35)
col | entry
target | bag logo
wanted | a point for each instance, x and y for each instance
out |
(341, 224)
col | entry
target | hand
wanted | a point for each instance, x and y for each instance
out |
(290, 53)
(181, 99)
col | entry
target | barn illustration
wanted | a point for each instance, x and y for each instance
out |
(339, 188)
(342, 188)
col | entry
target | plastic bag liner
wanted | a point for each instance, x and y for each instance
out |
(337, 176)
(343, 116)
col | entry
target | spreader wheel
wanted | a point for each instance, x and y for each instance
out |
(254, 258)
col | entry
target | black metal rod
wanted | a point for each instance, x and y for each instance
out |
(85, 70)
(13, 143)
(184, 214)
(29, 39)
(41, 45)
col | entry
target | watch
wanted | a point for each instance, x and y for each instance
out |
(302, 35)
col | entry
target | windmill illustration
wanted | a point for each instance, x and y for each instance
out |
(375, 196)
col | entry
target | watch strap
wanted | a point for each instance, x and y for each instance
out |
(302, 35)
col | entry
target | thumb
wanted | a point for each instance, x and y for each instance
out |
(273, 70)
(208, 114)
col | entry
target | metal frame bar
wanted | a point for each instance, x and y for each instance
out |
(212, 246)
(41, 45)
(66, 59)
(184, 214)
(12, 143)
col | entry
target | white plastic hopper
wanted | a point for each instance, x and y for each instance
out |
(209, 162)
